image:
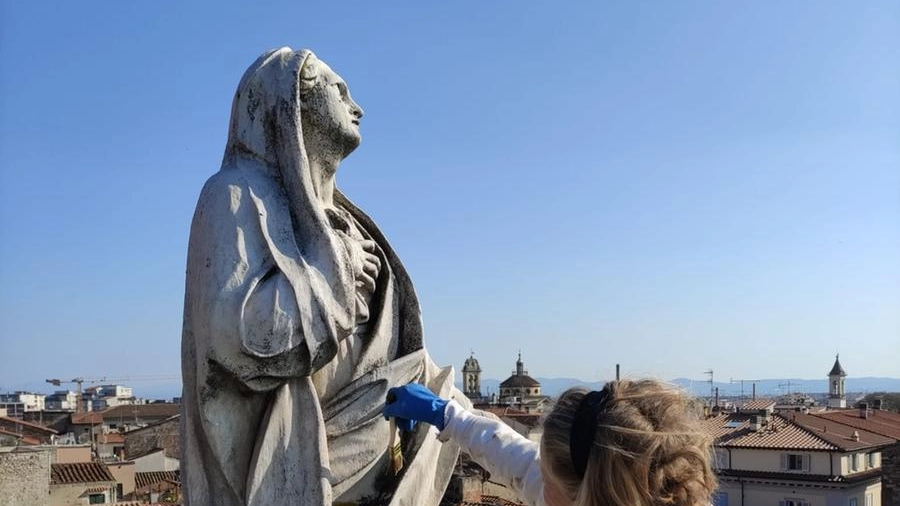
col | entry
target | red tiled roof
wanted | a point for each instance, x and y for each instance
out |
(882, 422)
(129, 412)
(796, 432)
(758, 404)
(733, 430)
(79, 472)
(142, 480)
(839, 434)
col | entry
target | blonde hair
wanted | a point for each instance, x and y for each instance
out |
(647, 448)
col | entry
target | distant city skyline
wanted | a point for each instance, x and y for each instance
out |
(675, 187)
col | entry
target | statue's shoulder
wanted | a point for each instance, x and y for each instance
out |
(225, 180)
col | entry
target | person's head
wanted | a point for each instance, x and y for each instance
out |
(330, 116)
(288, 101)
(634, 443)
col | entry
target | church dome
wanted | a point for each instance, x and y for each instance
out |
(520, 381)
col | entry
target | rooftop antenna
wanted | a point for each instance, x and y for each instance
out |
(741, 381)
(788, 385)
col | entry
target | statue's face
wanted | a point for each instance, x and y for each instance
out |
(328, 108)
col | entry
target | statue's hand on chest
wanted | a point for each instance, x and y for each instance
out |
(363, 254)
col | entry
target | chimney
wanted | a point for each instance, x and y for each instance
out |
(717, 397)
(855, 436)
(863, 410)
(756, 423)
(617, 372)
(754, 392)
(876, 404)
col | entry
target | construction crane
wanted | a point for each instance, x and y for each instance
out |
(79, 381)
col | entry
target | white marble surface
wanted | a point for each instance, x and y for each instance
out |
(298, 314)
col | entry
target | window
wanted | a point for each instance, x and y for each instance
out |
(856, 462)
(794, 462)
(97, 499)
(870, 500)
(852, 502)
(794, 501)
(870, 460)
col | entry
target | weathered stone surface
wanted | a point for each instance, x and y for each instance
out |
(298, 314)
(25, 477)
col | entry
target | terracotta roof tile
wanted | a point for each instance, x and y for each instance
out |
(128, 412)
(80, 472)
(839, 434)
(733, 430)
(796, 431)
(881, 422)
(141, 480)
(758, 404)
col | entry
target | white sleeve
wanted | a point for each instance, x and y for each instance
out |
(512, 459)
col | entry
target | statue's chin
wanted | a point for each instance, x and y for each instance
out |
(348, 141)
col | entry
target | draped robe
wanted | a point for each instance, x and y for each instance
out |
(285, 365)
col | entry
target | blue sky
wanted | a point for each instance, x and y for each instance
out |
(673, 186)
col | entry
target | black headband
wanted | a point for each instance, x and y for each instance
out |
(584, 426)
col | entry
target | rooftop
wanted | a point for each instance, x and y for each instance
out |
(141, 480)
(6, 421)
(79, 472)
(794, 432)
(885, 423)
(131, 411)
(758, 405)
(770, 475)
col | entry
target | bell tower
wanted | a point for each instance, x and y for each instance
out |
(837, 396)
(471, 376)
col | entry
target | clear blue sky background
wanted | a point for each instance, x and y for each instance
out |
(675, 186)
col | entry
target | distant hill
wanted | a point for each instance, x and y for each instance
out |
(555, 386)
(793, 385)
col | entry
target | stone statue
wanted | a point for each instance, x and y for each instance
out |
(298, 315)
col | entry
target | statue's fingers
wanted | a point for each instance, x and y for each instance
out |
(368, 281)
(373, 259)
